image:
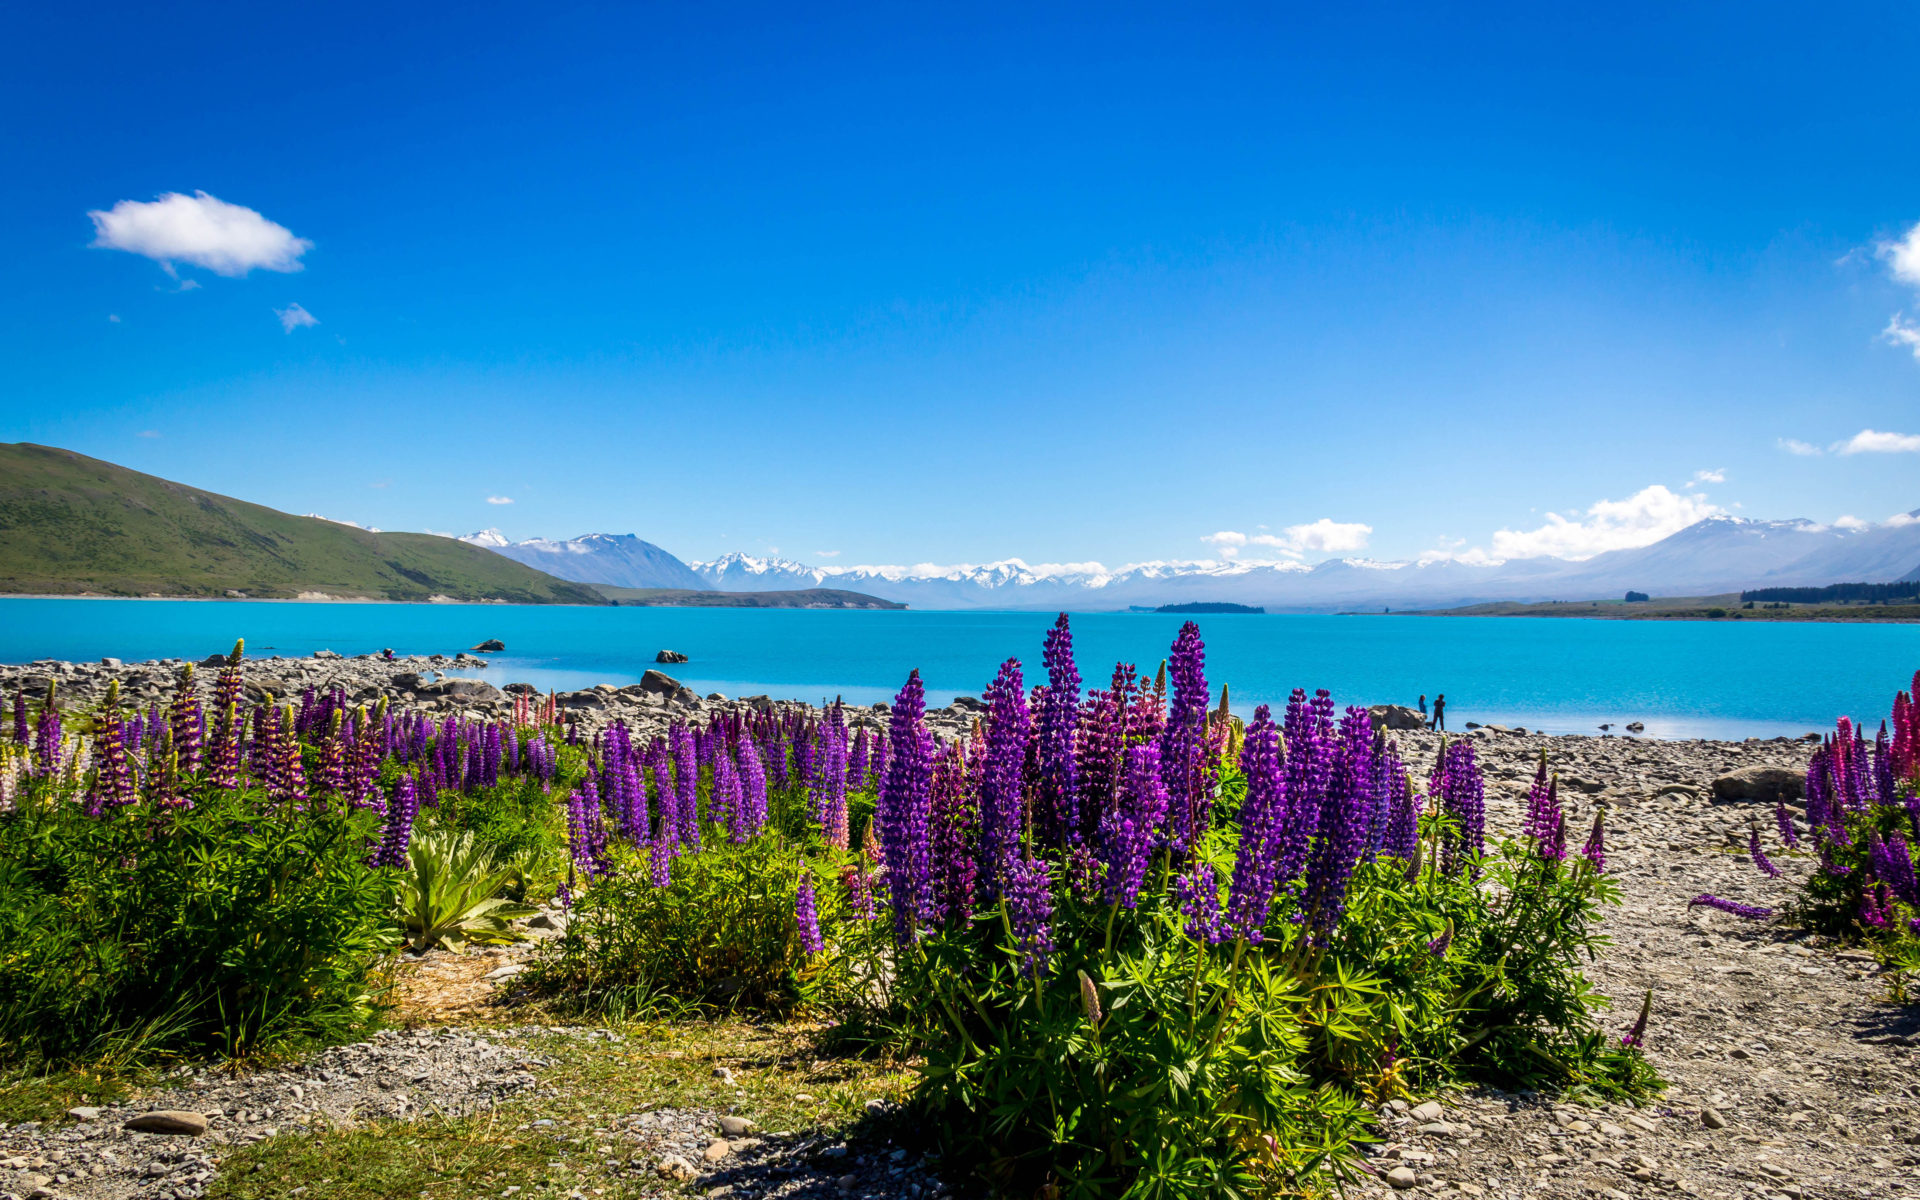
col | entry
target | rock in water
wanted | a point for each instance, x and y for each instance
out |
(490, 646)
(669, 656)
(1768, 785)
(169, 1120)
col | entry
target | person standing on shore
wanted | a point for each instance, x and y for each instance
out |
(1439, 713)
(1423, 705)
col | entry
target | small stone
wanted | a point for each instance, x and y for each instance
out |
(674, 1167)
(723, 1074)
(506, 972)
(1402, 1178)
(85, 1112)
(169, 1120)
(1711, 1118)
(735, 1126)
(803, 1098)
(716, 1150)
(1430, 1111)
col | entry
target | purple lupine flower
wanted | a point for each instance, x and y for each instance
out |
(1057, 786)
(1308, 729)
(830, 778)
(1262, 820)
(1382, 788)
(1343, 826)
(753, 786)
(292, 775)
(1636, 1037)
(1183, 747)
(950, 824)
(1198, 893)
(1438, 946)
(1744, 911)
(1002, 813)
(1403, 822)
(401, 811)
(1876, 907)
(902, 811)
(425, 788)
(806, 913)
(1758, 855)
(723, 798)
(1595, 851)
(686, 787)
(1100, 749)
(586, 832)
(185, 721)
(1784, 819)
(1462, 796)
(859, 884)
(1546, 821)
(113, 783)
(46, 738)
(1029, 897)
(1912, 805)
(1893, 865)
(1127, 834)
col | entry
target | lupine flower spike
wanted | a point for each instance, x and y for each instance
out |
(1758, 855)
(1636, 1037)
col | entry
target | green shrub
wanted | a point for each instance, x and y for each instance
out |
(452, 893)
(522, 825)
(722, 933)
(227, 926)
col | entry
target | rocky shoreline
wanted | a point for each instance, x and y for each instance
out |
(1790, 1076)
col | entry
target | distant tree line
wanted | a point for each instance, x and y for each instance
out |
(1838, 593)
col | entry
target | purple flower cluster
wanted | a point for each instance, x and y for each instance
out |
(401, 811)
(902, 810)
(806, 914)
(1056, 786)
(1029, 899)
(1002, 780)
(1124, 843)
(1546, 821)
(1185, 764)
(1460, 791)
(1759, 856)
(1262, 823)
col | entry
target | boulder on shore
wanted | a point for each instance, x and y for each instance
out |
(660, 683)
(669, 656)
(1768, 785)
(1396, 717)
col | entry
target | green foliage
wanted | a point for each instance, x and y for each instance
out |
(228, 926)
(451, 893)
(1181, 1068)
(722, 933)
(519, 821)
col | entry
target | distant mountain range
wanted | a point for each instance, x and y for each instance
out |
(615, 559)
(1716, 555)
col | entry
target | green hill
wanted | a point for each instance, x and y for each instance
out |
(71, 524)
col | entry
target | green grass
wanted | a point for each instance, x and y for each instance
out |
(591, 1084)
(28, 1096)
(71, 524)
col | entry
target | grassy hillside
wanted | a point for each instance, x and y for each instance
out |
(795, 598)
(72, 524)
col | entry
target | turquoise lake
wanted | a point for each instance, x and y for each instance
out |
(1681, 678)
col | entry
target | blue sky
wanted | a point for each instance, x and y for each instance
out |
(895, 285)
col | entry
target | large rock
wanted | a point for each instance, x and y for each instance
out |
(1396, 717)
(490, 646)
(660, 683)
(1767, 785)
(669, 656)
(472, 691)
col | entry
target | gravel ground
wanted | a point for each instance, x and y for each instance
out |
(1790, 1078)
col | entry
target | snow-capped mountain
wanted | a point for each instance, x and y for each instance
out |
(1715, 555)
(616, 559)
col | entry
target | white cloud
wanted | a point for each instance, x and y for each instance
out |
(294, 317)
(1717, 475)
(1899, 519)
(1851, 522)
(1325, 536)
(227, 239)
(1641, 519)
(1902, 332)
(114, 318)
(827, 553)
(1796, 446)
(499, 499)
(1903, 256)
(1872, 441)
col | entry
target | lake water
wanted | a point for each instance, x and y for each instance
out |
(1681, 678)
